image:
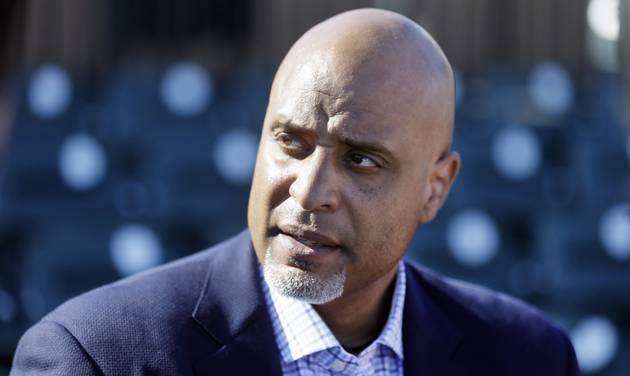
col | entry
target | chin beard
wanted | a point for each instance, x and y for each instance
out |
(301, 283)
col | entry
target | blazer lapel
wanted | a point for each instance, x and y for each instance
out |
(429, 339)
(232, 309)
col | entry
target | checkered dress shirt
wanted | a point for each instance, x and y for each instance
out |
(308, 347)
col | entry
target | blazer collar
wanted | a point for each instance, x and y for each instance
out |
(231, 308)
(430, 339)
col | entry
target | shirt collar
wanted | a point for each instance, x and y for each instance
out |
(301, 332)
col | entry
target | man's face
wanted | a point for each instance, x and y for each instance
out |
(339, 180)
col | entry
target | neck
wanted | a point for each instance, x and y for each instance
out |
(356, 319)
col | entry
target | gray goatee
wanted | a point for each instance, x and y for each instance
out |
(302, 284)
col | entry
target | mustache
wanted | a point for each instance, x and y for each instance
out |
(306, 222)
(302, 224)
(299, 218)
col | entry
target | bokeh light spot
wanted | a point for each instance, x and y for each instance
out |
(595, 342)
(614, 231)
(186, 89)
(235, 156)
(516, 153)
(135, 248)
(603, 18)
(550, 88)
(473, 238)
(49, 91)
(82, 161)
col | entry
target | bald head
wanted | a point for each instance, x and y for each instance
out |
(380, 54)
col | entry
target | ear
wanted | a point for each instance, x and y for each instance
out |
(441, 178)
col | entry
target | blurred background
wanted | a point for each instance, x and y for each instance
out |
(128, 133)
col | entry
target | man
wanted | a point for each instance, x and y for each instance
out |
(354, 154)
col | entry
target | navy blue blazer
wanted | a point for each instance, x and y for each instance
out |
(206, 315)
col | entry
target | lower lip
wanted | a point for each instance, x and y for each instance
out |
(303, 251)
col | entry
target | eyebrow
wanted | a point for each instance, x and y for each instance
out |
(373, 146)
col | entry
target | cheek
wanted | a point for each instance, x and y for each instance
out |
(277, 184)
(390, 199)
(386, 241)
(378, 252)
(385, 220)
(271, 179)
(269, 189)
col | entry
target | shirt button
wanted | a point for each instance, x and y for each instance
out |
(338, 365)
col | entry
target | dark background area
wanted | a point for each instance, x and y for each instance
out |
(128, 132)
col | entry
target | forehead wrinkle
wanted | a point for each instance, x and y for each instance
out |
(348, 130)
(314, 120)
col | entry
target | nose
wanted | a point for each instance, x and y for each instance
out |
(315, 186)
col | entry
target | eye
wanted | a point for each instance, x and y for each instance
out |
(361, 161)
(287, 141)
(291, 144)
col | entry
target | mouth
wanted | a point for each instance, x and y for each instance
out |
(307, 247)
